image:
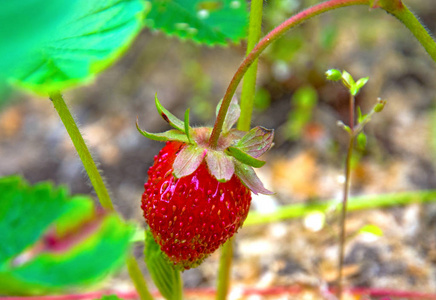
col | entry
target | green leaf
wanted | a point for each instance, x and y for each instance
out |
(347, 79)
(53, 45)
(110, 297)
(360, 116)
(372, 229)
(165, 277)
(170, 135)
(211, 22)
(361, 140)
(187, 128)
(169, 117)
(245, 158)
(51, 241)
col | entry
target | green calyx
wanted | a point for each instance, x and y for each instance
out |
(237, 152)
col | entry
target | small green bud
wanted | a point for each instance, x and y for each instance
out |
(380, 105)
(333, 75)
(361, 140)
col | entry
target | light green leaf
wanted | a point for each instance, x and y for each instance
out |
(211, 22)
(170, 135)
(247, 175)
(51, 241)
(165, 277)
(361, 140)
(347, 79)
(257, 141)
(53, 45)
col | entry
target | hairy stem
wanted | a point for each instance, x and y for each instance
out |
(405, 16)
(82, 150)
(265, 42)
(97, 182)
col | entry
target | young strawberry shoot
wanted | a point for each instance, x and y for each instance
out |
(355, 133)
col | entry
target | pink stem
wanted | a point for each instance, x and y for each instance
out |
(265, 42)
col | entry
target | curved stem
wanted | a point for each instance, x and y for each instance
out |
(265, 42)
(405, 16)
(97, 182)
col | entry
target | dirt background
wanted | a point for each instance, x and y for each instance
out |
(305, 167)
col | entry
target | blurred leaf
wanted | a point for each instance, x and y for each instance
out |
(166, 278)
(211, 22)
(361, 141)
(262, 99)
(53, 45)
(348, 80)
(51, 241)
(372, 229)
(304, 101)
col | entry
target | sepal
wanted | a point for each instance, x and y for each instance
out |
(247, 175)
(232, 115)
(256, 142)
(245, 158)
(169, 117)
(170, 135)
(220, 165)
(188, 160)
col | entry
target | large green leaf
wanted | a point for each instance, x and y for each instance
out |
(212, 22)
(53, 45)
(50, 241)
(165, 277)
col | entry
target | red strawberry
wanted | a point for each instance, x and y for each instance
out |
(192, 216)
(196, 196)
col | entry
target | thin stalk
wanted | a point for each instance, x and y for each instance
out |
(138, 279)
(344, 215)
(249, 82)
(224, 270)
(265, 42)
(247, 99)
(82, 150)
(97, 182)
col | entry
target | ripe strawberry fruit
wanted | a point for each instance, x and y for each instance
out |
(190, 217)
(196, 196)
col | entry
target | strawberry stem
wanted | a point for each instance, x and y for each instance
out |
(398, 10)
(97, 182)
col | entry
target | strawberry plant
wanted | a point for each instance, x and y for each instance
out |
(199, 189)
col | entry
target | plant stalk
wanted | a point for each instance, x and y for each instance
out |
(247, 99)
(97, 182)
(82, 150)
(344, 215)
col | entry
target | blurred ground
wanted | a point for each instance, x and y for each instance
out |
(303, 166)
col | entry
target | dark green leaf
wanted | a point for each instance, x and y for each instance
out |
(51, 241)
(165, 277)
(211, 22)
(52, 45)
